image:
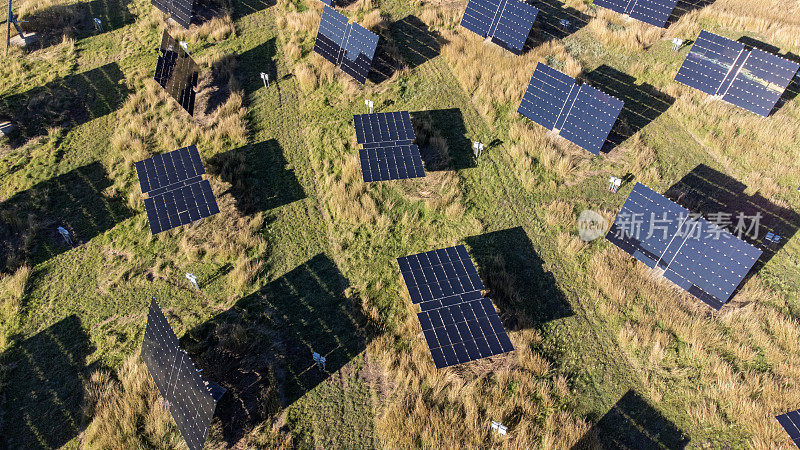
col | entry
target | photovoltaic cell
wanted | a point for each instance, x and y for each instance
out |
(351, 47)
(177, 192)
(181, 11)
(581, 114)
(177, 73)
(750, 79)
(698, 256)
(654, 12)
(459, 324)
(791, 423)
(391, 163)
(189, 399)
(378, 129)
(507, 22)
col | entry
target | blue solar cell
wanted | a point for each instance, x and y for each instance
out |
(507, 22)
(391, 163)
(177, 72)
(591, 118)
(760, 82)
(791, 423)
(581, 114)
(654, 12)
(351, 47)
(709, 62)
(696, 255)
(379, 129)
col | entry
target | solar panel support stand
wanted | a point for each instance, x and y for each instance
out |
(370, 104)
(193, 279)
(477, 148)
(265, 79)
(677, 44)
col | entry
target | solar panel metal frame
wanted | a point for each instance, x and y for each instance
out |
(189, 400)
(181, 11)
(753, 80)
(581, 114)
(177, 72)
(791, 423)
(709, 269)
(507, 22)
(177, 193)
(348, 46)
(653, 12)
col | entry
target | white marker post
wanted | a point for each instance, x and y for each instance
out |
(265, 79)
(98, 25)
(614, 183)
(65, 234)
(676, 44)
(319, 359)
(501, 429)
(477, 148)
(184, 45)
(192, 279)
(369, 104)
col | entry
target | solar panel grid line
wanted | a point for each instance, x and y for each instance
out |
(791, 424)
(733, 72)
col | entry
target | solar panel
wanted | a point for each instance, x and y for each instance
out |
(177, 73)
(459, 324)
(388, 152)
(750, 79)
(581, 114)
(791, 423)
(181, 11)
(698, 256)
(351, 47)
(507, 22)
(177, 193)
(654, 12)
(189, 399)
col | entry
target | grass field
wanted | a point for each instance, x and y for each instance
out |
(301, 258)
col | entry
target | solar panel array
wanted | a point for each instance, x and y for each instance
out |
(177, 73)
(750, 79)
(388, 151)
(698, 256)
(349, 46)
(177, 193)
(791, 423)
(654, 12)
(507, 22)
(459, 324)
(189, 400)
(181, 11)
(581, 114)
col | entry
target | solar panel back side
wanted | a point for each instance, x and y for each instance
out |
(189, 400)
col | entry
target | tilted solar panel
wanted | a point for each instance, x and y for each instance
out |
(351, 47)
(378, 129)
(698, 256)
(177, 73)
(359, 50)
(791, 423)
(464, 332)
(181, 11)
(654, 12)
(591, 118)
(581, 114)
(177, 192)
(391, 163)
(189, 399)
(459, 324)
(750, 79)
(507, 22)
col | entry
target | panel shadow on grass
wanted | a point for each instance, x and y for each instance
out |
(67, 102)
(441, 137)
(409, 42)
(50, 23)
(547, 25)
(74, 200)
(44, 386)
(261, 349)
(633, 424)
(260, 176)
(709, 192)
(243, 8)
(684, 7)
(516, 279)
(643, 102)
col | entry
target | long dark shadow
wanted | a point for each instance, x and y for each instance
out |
(74, 201)
(643, 102)
(685, 7)
(442, 140)
(43, 386)
(50, 23)
(261, 349)
(259, 175)
(409, 42)
(516, 278)
(548, 24)
(67, 102)
(633, 424)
